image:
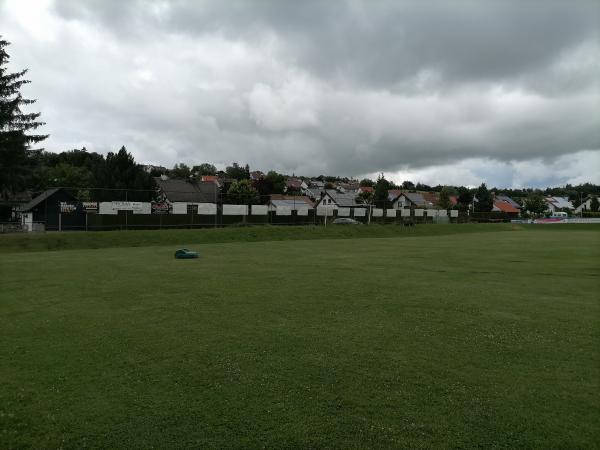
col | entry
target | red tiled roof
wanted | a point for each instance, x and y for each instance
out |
(453, 200)
(505, 207)
(366, 189)
(210, 178)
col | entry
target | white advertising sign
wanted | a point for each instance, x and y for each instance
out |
(207, 209)
(235, 210)
(405, 212)
(259, 210)
(283, 211)
(431, 212)
(390, 213)
(343, 212)
(179, 208)
(359, 212)
(454, 213)
(442, 213)
(106, 208)
(302, 211)
(419, 212)
(127, 206)
(145, 209)
(324, 210)
(377, 212)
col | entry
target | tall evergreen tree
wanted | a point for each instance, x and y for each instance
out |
(484, 202)
(15, 128)
(380, 194)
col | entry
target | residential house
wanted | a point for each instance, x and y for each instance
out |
(510, 201)
(210, 178)
(291, 202)
(46, 208)
(412, 200)
(504, 205)
(362, 189)
(558, 204)
(351, 187)
(336, 199)
(586, 205)
(181, 191)
(256, 175)
(296, 184)
(393, 194)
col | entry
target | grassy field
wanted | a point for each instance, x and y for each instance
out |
(458, 337)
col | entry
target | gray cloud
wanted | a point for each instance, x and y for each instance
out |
(311, 87)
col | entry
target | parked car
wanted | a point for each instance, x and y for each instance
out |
(346, 221)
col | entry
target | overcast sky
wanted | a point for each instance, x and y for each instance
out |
(450, 92)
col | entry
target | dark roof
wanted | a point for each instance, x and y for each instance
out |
(343, 199)
(297, 199)
(184, 191)
(39, 199)
(415, 198)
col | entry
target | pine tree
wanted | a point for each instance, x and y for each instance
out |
(15, 142)
(380, 194)
(484, 202)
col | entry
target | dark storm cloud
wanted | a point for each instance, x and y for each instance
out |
(320, 86)
(375, 43)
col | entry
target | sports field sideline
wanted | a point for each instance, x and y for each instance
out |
(383, 337)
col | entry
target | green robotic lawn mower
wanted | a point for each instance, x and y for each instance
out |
(184, 253)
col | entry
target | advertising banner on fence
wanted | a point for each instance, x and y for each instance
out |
(127, 206)
(260, 210)
(207, 209)
(89, 207)
(160, 208)
(68, 208)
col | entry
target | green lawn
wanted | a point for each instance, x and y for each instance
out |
(433, 337)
